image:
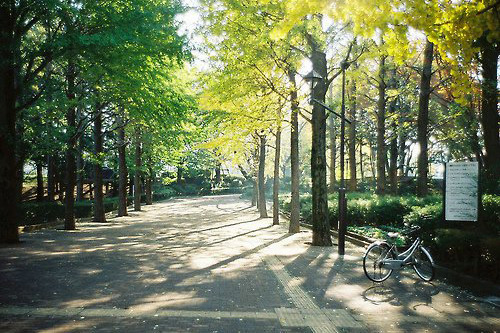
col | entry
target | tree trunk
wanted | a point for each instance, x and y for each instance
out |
(179, 173)
(39, 181)
(20, 156)
(138, 165)
(333, 154)
(381, 155)
(131, 184)
(99, 213)
(8, 184)
(353, 184)
(149, 186)
(261, 178)
(276, 178)
(402, 136)
(423, 121)
(489, 109)
(294, 226)
(51, 179)
(218, 178)
(122, 168)
(361, 161)
(255, 192)
(79, 170)
(321, 225)
(70, 176)
(393, 159)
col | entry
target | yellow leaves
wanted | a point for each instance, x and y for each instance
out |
(295, 10)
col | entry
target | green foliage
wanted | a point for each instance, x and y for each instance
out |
(379, 233)
(375, 210)
(491, 206)
(36, 213)
(460, 249)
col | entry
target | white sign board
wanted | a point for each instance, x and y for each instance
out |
(461, 192)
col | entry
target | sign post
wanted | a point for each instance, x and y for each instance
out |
(461, 196)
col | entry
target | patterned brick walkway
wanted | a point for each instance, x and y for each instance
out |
(210, 264)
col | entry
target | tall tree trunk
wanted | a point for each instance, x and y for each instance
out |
(79, 163)
(333, 154)
(39, 181)
(8, 184)
(294, 226)
(320, 218)
(99, 214)
(180, 169)
(276, 178)
(361, 161)
(51, 190)
(423, 121)
(402, 136)
(352, 138)
(70, 175)
(255, 192)
(122, 167)
(20, 155)
(373, 167)
(261, 178)
(489, 109)
(393, 159)
(138, 165)
(381, 104)
(131, 184)
(79, 171)
(218, 178)
(149, 185)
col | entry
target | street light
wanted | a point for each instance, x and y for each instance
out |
(315, 78)
(342, 198)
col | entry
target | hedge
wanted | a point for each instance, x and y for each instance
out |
(467, 247)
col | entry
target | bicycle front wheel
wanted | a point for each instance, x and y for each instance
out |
(423, 264)
(372, 262)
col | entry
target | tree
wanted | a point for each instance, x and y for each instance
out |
(352, 136)
(18, 68)
(423, 120)
(122, 165)
(99, 213)
(261, 176)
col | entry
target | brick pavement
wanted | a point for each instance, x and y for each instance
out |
(210, 264)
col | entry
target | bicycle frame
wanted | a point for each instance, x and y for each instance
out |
(403, 259)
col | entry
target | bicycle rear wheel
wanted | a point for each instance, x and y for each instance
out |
(423, 264)
(372, 262)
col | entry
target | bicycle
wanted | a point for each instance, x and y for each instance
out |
(382, 258)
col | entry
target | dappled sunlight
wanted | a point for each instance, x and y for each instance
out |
(70, 326)
(166, 300)
(86, 302)
(168, 259)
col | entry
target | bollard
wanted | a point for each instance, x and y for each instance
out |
(342, 222)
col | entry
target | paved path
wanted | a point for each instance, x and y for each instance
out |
(210, 264)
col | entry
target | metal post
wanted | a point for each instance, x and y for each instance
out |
(342, 227)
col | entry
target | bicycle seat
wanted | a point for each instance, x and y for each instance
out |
(393, 234)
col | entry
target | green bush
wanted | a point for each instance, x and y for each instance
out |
(491, 256)
(379, 233)
(84, 208)
(491, 206)
(40, 212)
(428, 218)
(164, 193)
(460, 246)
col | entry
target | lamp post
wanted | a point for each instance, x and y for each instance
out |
(342, 198)
(314, 78)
